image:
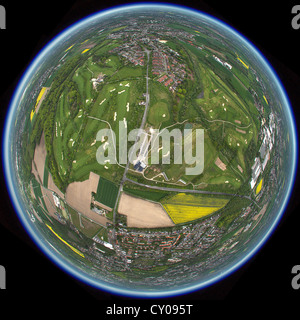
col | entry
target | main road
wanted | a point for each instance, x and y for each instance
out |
(187, 190)
(147, 92)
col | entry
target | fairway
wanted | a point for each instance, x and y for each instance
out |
(159, 105)
(158, 113)
(187, 207)
(116, 101)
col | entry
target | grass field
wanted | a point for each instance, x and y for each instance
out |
(160, 102)
(187, 207)
(159, 113)
(106, 192)
(115, 102)
(65, 242)
(66, 131)
(84, 225)
(230, 122)
(145, 194)
(229, 119)
(38, 192)
(76, 124)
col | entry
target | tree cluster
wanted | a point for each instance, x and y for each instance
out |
(45, 121)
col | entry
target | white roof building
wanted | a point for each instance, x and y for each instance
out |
(256, 171)
(56, 200)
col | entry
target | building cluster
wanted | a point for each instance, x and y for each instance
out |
(223, 63)
(98, 80)
(167, 68)
(132, 52)
(56, 200)
(104, 243)
(139, 166)
(166, 65)
(97, 206)
(268, 137)
(171, 249)
(186, 242)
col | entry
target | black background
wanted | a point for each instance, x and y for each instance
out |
(32, 278)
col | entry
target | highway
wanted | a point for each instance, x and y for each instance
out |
(147, 92)
(187, 190)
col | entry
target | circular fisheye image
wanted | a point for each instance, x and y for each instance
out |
(149, 150)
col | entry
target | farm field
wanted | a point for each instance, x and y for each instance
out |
(106, 192)
(142, 213)
(39, 100)
(184, 207)
(84, 225)
(79, 196)
(259, 186)
(144, 193)
(65, 242)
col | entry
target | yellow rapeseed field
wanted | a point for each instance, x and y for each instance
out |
(258, 188)
(65, 242)
(69, 48)
(84, 51)
(31, 114)
(37, 102)
(243, 63)
(40, 95)
(182, 213)
(188, 207)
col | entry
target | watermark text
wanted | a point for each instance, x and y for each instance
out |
(2, 277)
(2, 17)
(296, 18)
(154, 145)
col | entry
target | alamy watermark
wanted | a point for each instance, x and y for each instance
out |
(2, 17)
(296, 19)
(188, 147)
(296, 279)
(2, 277)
